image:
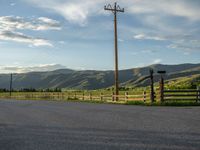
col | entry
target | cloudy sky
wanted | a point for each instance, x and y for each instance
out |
(78, 34)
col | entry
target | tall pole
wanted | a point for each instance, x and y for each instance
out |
(116, 55)
(11, 78)
(115, 9)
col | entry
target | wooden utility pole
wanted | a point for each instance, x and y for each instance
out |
(115, 10)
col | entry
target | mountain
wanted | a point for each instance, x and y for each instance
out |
(91, 79)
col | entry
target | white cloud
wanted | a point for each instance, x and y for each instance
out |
(19, 37)
(20, 23)
(76, 11)
(186, 53)
(149, 51)
(134, 53)
(186, 45)
(73, 12)
(39, 68)
(143, 52)
(181, 8)
(62, 42)
(121, 40)
(146, 37)
(48, 24)
(12, 4)
(10, 24)
(157, 61)
(159, 19)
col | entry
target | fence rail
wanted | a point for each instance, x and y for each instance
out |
(76, 96)
(181, 95)
(162, 96)
(180, 91)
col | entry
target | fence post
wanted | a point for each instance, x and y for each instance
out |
(83, 98)
(161, 90)
(90, 96)
(63, 97)
(198, 94)
(126, 96)
(59, 96)
(144, 96)
(101, 96)
(75, 95)
(113, 96)
(152, 96)
(68, 95)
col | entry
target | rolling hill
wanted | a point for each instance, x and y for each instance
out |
(91, 79)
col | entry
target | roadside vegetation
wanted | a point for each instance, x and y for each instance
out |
(93, 96)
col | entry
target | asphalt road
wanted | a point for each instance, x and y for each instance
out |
(42, 125)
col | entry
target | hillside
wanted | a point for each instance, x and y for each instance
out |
(89, 79)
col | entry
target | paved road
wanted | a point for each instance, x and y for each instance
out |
(42, 125)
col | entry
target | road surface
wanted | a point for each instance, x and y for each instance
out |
(47, 125)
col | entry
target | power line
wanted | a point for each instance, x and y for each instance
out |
(115, 9)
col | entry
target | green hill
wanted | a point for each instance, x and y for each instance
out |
(183, 75)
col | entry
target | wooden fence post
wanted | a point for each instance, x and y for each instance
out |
(113, 96)
(101, 96)
(152, 96)
(198, 94)
(144, 96)
(161, 90)
(68, 95)
(126, 96)
(58, 95)
(90, 96)
(63, 97)
(83, 98)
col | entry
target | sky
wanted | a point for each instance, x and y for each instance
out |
(44, 35)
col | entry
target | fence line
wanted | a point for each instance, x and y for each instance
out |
(180, 95)
(77, 96)
(167, 95)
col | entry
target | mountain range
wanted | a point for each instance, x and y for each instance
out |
(183, 74)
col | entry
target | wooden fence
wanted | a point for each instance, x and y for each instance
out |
(180, 95)
(76, 96)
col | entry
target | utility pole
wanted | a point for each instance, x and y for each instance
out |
(115, 10)
(11, 78)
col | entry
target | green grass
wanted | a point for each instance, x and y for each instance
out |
(64, 96)
(135, 103)
(179, 104)
(172, 103)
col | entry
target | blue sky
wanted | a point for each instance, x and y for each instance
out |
(45, 35)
